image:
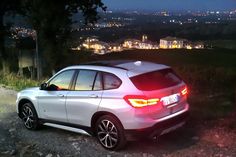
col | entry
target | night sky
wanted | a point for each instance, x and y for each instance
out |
(153, 5)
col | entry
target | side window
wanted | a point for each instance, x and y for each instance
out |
(111, 81)
(98, 82)
(85, 80)
(61, 81)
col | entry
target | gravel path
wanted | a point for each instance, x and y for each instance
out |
(208, 139)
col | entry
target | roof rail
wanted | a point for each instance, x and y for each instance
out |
(111, 63)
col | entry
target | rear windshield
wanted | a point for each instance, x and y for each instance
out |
(156, 80)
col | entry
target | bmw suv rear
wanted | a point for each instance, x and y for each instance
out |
(114, 101)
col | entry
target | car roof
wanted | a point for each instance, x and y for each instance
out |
(140, 67)
(132, 67)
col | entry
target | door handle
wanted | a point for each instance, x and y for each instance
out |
(93, 96)
(60, 95)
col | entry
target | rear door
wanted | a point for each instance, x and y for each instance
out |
(83, 101)
(166, 86)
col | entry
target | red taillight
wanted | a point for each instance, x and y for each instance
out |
(138, 101)
(184, 91)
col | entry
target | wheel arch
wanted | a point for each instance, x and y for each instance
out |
(22, 102)
(99, 114)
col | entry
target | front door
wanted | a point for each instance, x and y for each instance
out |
(52, 101)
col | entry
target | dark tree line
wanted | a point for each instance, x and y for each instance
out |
(6, 6)
(52, 21)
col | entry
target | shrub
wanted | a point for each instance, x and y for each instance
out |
(18, 83)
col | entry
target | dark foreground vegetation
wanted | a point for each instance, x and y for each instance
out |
(210, 131)
(210, 75)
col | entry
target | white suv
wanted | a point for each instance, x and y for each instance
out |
(115, 101)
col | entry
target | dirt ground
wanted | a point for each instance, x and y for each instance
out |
(215, 138)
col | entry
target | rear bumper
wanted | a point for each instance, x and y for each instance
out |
(158, 129)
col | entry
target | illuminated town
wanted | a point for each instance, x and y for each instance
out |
(117, 22)
(100, 47)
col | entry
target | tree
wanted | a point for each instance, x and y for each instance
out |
(52, 21)
(6, 6)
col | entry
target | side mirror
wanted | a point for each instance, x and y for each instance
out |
(43, 86)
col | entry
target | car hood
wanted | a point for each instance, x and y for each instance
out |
(32, 89)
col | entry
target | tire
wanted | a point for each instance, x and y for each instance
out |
(110, 133)
(29, 116)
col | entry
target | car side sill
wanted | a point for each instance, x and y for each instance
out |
(68, 126)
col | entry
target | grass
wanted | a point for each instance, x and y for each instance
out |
(178, 57)
(16, 82)
(205, 106)
(209, 74)
(201, 69)
(230, 44)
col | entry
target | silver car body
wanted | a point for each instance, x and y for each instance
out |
(78, 107)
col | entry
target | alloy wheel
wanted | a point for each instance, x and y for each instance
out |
(107, 134)
(28, 117)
